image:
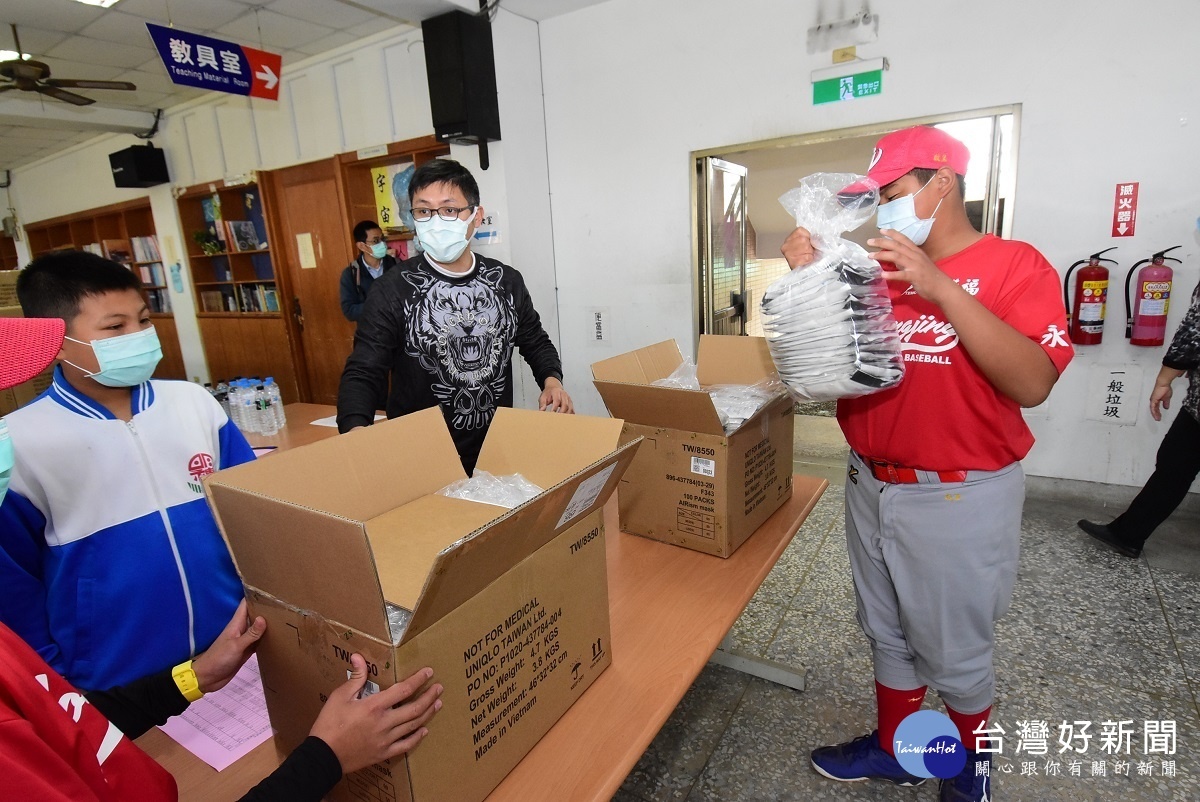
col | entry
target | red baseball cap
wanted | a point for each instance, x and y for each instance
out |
(901, 152)
(27, 346)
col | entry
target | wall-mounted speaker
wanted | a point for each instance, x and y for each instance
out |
(461, 68)
(139, 166)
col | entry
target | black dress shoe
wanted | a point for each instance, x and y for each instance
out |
(1109, 538)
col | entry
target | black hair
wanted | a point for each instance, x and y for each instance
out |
(448, 171)
(363, 228)
(53, 285)
(923, 174)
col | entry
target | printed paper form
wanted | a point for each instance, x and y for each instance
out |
(223, 726)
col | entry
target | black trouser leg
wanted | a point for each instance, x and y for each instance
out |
(1175, 469)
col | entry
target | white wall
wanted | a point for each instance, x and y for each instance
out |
(1107, 92)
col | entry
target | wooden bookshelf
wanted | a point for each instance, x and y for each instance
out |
(239, 303)
(120, 223)
(8, 253)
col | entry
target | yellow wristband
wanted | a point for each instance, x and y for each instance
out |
(185, 679)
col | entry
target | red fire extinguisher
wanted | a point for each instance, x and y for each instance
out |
(1146, 324)
(1085, 314)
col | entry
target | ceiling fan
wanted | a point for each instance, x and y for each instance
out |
(34, 76)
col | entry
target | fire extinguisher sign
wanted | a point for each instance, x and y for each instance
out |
(1125, 209)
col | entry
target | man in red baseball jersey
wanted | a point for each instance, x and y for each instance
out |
(934, 486)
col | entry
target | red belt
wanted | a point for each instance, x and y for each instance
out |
(895, 474)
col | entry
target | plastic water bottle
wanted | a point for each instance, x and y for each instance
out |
(222, 396)
(235, 411)
(276, 402)
(246, 403)
(267, 423)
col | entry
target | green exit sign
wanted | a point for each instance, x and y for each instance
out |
(849, 87)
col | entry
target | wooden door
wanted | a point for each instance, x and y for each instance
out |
(307, 203)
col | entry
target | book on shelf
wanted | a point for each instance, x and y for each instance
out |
(158, 300)
(242, 235)
(211, 206)
(212, 301)
(270, 299)
(118, 250)
(145, 249)
(152, 274)
(93, 247)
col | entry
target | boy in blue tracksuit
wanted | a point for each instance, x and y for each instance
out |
(111, 565)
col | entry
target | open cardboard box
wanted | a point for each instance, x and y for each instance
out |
(509, 607)
(692, 484)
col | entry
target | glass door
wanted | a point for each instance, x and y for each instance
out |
(722, 279)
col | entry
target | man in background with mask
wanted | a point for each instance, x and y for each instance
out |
(934, 485)
(105, 535)
(372, 261)
(445, 322)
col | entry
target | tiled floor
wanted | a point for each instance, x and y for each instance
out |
(1091, 636)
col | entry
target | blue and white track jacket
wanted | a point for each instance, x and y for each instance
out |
(111, 565)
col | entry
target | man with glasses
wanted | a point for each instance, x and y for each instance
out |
(444, 324)
(372, 261)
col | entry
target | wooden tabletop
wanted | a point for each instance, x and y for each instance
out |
(670, 609)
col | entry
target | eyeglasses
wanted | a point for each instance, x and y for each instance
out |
(445, 212)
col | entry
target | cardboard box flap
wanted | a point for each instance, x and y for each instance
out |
(310, 559)
(725, 359)
(642, 366)
(340, 475)
(545, 447)
(406, 541)
(664, 407)
(467, 567)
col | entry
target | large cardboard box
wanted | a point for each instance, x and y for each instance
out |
(691, 483)
(509, 608)
(20, 395)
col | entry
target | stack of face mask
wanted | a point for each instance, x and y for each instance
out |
(829, 324)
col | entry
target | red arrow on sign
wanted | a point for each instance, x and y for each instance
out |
(265, 67)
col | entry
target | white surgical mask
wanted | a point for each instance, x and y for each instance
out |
(443, 240)
(901, 215)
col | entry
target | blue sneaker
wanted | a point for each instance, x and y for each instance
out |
(973, 783)
(861, 759)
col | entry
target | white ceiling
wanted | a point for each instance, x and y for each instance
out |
(81, 41)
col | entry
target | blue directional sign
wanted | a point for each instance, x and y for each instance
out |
(195, 60)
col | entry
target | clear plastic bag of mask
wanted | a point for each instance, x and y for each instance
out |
(829, 324)
(506, 491)
(682, 378)
(738, 403)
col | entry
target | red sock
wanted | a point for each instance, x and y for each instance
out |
(967, 723)
(894, 705)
